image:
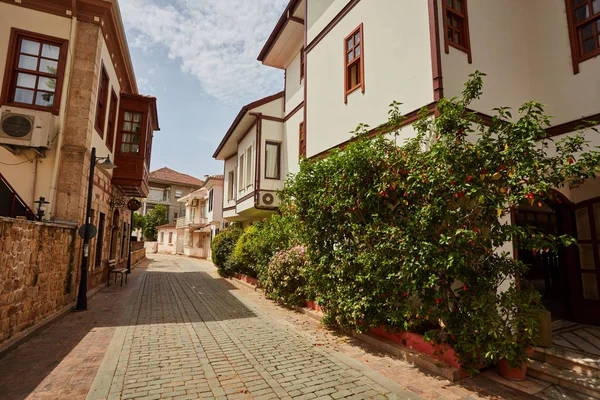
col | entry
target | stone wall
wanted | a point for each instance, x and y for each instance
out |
(137, 256)
(37, 278)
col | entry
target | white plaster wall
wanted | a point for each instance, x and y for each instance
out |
(165, 247)
(567, 96)
(320, 13)
(291, 143)
(397, 57)
(499, 48)
(271, 131)
(32, 179)
(294, 87)
(273, 108)
(249, 140)
(245, 205)
(230, 165)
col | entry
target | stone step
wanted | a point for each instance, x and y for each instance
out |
(583, 364)
(588, 385)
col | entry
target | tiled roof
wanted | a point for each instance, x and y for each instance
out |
(169, 175)
(169, 225)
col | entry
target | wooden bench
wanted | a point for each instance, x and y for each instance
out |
(112, 270)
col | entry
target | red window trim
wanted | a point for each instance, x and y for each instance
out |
(112, 119)
(577, 55)
(467, 38)
(360, 60)
(11, 63)
(102, 98)
(302, 55)
(302, 140)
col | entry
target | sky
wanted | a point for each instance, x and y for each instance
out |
(198, 58)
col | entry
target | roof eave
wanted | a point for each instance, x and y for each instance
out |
(283, 20)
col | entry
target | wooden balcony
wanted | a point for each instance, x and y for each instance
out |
(136, 125)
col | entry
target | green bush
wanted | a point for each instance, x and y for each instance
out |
(285, 281)
(244, 253)
(409, 236)
(222, 248)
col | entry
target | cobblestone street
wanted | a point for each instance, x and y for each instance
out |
(177, 330)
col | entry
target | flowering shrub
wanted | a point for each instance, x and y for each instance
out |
(285, 281)
(411, 236)
(222, 249)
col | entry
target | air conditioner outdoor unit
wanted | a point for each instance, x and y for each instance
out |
(268, 199)
(26, 128)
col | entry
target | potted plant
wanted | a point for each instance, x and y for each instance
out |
(518, 330)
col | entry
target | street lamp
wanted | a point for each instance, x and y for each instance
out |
(82, 295)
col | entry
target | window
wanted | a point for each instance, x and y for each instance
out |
(34, 71)
(210, 200)
(302, 141)
(131, 132)
(272, 160)
(162, 237)
(230, 185)
(192, 213)
(170, 237)
(175, 215)
(112, 116)
(302, 64)
(178, 194)
(101, 102)
(584, 30)
(456, 26)
(241, 173)
(353, 60)
(249, 166)
(99, 240)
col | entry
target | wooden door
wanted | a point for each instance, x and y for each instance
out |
(584, 276)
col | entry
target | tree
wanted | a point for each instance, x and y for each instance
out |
(156, 217)
(410, 236)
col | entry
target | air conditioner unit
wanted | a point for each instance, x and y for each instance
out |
(26, 128)
(268, 199)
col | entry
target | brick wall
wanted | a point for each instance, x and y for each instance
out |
(37, 277)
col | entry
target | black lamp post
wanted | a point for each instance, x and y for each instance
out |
(82, 295)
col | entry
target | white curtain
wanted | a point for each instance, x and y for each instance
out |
(272, 167)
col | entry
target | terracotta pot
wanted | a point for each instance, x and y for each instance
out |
(512, 374)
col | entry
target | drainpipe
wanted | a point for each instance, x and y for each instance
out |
(63, 111)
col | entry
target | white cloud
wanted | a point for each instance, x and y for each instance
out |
(216, 41)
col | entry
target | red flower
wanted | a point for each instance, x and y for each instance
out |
(438, 301)
(465, 288)
(530, 196)
(469, 179)
(571, 160)
(452, 183)
(475, 230)
(405, 294)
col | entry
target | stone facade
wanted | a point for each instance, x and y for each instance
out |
(37, 273)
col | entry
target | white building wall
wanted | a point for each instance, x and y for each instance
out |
(33, 179)
(249, 140)
(294, 87)
(398, 69)
(291, 143)
(499, 48)
(273, 132)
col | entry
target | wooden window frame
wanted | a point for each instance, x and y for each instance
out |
(302, 55)
(101, 100)
(575, 38)
(211, 200)
(278, 144)
(241, 174)
(451, 11)
(11, 70)
(360, 60)
(248, 170)
(123, 132)
(112, 119)
(301, 140)
(231, 185)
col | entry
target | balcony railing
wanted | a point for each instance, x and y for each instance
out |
(187, 222)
